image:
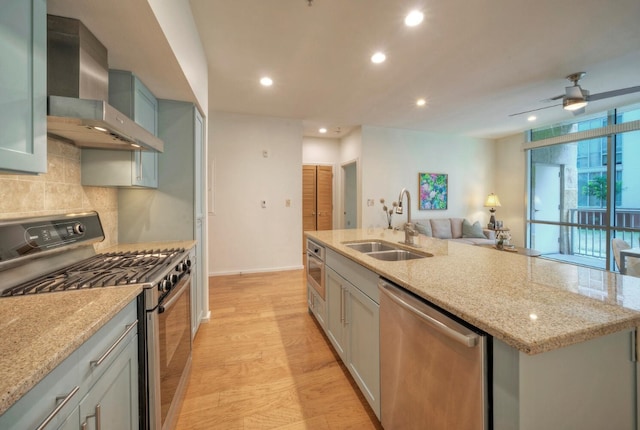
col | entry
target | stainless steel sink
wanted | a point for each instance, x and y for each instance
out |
(397, 255)
(373, 246)
(386, 251)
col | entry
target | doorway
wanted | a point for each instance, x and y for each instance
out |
(350, 196)
(546, 204)
(317, 198)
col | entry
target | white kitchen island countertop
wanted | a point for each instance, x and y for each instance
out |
(530, 303)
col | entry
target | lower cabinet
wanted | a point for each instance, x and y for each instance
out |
(353, 321)
(97, 383)
(317, 306)
(112, 402)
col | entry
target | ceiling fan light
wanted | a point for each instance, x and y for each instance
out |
(573, 104)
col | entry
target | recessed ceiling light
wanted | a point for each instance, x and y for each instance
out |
(378, 58)
(532, 118)
(414, 18)
(102, 129)
(421, 102)
(322, 130)
(266, 81)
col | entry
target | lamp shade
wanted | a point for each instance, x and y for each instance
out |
(492, 201)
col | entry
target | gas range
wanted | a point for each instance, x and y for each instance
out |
(52, 254)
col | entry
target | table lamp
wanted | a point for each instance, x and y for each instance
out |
(492, 202)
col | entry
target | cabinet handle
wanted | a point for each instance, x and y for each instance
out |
(98, 362)
(342, 316)
(65, 400)
(96, 415)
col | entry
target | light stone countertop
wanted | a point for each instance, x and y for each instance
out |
(40, 331)
(530, 303)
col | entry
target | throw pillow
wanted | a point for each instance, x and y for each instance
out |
(441, 228)
(424, 228)
(472, 230)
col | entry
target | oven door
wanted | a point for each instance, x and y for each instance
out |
(170, 357)
(315, 273)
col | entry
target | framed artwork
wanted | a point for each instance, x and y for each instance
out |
(432, 189)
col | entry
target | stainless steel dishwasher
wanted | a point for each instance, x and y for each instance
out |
(432, 368)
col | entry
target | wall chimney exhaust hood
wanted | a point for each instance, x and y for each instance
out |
(78, 90)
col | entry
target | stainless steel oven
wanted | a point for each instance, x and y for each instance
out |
(315, 267)
(168, 327)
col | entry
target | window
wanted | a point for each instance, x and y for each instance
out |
(572, 214)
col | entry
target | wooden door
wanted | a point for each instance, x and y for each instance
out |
(308, 198)
(317, 197)
(324, 198)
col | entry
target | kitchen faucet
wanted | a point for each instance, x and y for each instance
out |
(409, 230)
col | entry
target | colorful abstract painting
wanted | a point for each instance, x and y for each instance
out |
(432, 188)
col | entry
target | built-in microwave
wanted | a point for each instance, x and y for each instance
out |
(315, 267)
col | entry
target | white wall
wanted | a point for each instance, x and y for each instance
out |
(243, 237)
(511, 185)
(179, 28)
(392, 159)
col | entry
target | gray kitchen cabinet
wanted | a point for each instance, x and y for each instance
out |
(23, 86)
(129, 95)
(77, 385)
(353, 321)
(317, 306)
(589, 386)
(336, 289)
(174, 210)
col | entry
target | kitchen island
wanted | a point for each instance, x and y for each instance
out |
(563, 336)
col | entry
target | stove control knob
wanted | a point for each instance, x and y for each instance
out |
(165, 285)
(78, 228)
(173, 278)
(181, 267)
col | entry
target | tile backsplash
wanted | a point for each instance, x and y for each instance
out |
(59, 191)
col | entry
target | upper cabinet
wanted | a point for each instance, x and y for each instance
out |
(130, 96)
(23, 86)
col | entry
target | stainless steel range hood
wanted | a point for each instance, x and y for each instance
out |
(78, 90)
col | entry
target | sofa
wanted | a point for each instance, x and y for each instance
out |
(456, 229)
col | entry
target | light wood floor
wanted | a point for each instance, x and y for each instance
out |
(262, 362)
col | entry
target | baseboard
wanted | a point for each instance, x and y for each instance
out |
(263, 270)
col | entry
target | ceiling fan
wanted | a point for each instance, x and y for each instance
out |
(575, 99)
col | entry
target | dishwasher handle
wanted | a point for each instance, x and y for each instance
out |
(467, 339)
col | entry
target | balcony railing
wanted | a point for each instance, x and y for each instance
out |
(591, 240)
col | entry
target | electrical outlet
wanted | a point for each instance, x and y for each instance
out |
(263, 204)
(370, 202)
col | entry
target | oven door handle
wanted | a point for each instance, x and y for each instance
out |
(166, 305)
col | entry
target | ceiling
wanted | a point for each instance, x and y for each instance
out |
(475, 62)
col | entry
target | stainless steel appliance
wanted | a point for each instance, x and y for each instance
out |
(78, 88)
(433, 368)
(52, 254)
(315, 267)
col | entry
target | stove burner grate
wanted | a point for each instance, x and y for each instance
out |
(102, 270)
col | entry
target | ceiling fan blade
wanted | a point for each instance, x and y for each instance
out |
(558, 97)
(613, 93)
(534, 110)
